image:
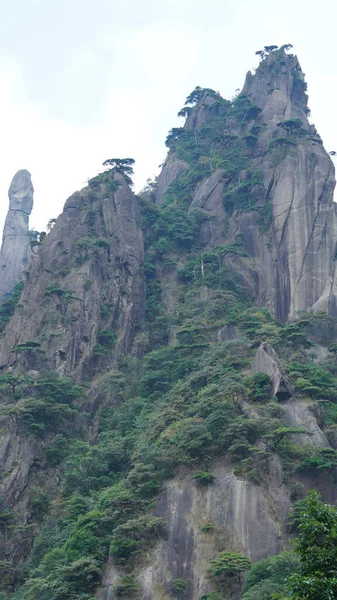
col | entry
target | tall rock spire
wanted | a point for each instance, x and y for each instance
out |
(15, 250)
(259, 166)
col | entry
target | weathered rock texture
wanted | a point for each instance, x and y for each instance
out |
(292, 266)
(94, 252)
(267, 361)
(242, 517)
(103, 227)
(15, 250)
(87, 278)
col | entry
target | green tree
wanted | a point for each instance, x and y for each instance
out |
(260, 387)
(122, 165)
(316, 546)
(291, 125)
(229, 565)
(268, 576)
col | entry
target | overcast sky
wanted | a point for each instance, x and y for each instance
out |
(86, 80)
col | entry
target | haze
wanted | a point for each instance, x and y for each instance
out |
(83, 81)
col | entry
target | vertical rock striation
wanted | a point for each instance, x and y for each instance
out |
(15, 250)
(291, 264)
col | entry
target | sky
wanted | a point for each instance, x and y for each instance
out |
(82, 81)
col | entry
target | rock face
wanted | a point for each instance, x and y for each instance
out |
(92, 259)
(240, 515)
(86, 283)
(267, 361)
(292, 267)
(107, 291)
(172, 169)
(15, 250)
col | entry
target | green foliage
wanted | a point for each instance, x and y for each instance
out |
(107, 337)
(30, 351)
(203, 477)
(282, 142)
(38, 504)
(9, 305)
(291, 125)
(245, 194)
(312, 380)
(207, 528)
(180, 585)
(89, 246)
(92, 467)
(135, 536)
(316, 546)
(49, 403)
(6, 516)
(228, 564)
(323, 458)
(268, 576)
(180, 398)
(121, 165)
(244, 109)
(259, 387)
(198, 93)
(87, 537)
(65, 581)
(57, 450)
(125, 587)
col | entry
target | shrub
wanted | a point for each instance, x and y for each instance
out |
(180, 585)
(203, 478)
(135, 535)
(38, 505)
(228, 564)
(259, 387)
(125, 587)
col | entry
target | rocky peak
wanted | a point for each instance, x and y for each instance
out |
(278, 88)
(256, 164)
(16, 251)
(21, 192)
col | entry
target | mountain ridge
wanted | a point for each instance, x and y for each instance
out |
(163, 370)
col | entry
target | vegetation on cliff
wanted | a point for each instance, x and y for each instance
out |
(181, 397)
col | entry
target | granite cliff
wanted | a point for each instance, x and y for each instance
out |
(291, 266)
(168, 376)
(16, 250)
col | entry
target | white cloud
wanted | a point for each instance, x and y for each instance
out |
(117, 91)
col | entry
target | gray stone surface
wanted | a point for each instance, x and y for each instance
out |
(111, 278)
(173, 168)
(290, 266)
(267, 361)
(15, 251)
(244, 517)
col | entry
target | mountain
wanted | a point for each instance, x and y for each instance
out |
(16, 250)
(168, 380)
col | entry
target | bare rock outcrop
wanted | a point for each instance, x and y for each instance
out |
(241, 517)
(15, 250)
(290, 265)
(298, 270)
(93, 253)
(173, 168)
(267, 361)
(84, 280)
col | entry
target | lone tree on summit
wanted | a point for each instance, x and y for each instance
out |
(291, 125)
(122, 165)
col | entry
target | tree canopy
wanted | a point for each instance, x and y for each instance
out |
(316, 546)
(122, 165)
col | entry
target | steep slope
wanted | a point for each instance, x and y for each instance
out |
(278, 196)
(79, 310)
(154, 412)
(15, 250)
